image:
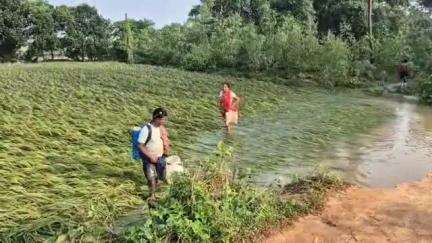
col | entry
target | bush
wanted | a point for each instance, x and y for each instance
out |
(251, 55)
(225, 42)
(293, 48)
(166, 47)
(425, 89)
(199, 59)
(389, 51)
(334, 62)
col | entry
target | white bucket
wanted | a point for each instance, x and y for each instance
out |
(173, 165)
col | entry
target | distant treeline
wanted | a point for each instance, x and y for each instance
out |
(329, 39)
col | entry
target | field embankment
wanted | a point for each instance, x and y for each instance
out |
(64, 142)
(401, 214)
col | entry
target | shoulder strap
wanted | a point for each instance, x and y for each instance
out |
(149, 133)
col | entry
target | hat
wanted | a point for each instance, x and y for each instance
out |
(159, 113)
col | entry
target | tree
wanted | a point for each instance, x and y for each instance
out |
(131, 36)
(389, 17)
(370, 6)
(63, 24)
(333, 14)
(87, 35)
(42, 30)
(252, 11)
(302, 10)
(195, 11)
(426, 3)
(128, 40)
(14, 18)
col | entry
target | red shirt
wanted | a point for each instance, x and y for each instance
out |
(226, 101)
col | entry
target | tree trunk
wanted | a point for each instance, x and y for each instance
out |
(370, 6)
(83, 52)
(370, 35)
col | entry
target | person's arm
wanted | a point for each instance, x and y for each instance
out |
(146, 152)
(236, 100)
(141, 140)
(167, 150)
(220, 104)
(166, 141)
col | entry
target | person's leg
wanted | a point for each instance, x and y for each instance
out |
(229, 129)
(226, 122)
(230, 120)
(234, 121)
(403, 81)
(150, 174)
(161, 169)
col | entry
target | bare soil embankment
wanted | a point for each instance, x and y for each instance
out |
(401, 214)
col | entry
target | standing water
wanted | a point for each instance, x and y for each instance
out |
(398, 151)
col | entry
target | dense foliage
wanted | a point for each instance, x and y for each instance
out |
(326, 41)
(425, 89)
(289, 38)
(14, 19)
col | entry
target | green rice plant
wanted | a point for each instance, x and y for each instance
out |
(65, 166)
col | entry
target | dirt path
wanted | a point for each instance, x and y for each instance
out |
(402, 214)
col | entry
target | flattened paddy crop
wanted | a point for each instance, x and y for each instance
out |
(64, 144)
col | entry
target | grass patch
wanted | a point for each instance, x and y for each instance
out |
(207, 206)
(64, 144)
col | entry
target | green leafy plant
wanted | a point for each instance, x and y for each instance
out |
(425, 89)
(201, 207)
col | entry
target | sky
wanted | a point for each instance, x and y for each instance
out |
(161, 12)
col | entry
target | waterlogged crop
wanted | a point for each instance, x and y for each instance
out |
(65, 168)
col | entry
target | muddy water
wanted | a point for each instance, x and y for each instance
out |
(398, 151)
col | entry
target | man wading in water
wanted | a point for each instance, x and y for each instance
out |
(152, 149)
(229, 101)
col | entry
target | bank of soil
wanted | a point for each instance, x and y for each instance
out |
(401, 214)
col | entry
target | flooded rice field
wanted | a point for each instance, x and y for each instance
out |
(400, 150)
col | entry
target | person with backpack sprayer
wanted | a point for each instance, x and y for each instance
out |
(152, 150)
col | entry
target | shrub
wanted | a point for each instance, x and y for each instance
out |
(225, 41)
(251, 55)
(425, 89)
(334, 62)
(389, 50)
(293, 48)
(199, 59)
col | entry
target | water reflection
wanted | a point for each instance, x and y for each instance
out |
(396, 152)
(400, 151)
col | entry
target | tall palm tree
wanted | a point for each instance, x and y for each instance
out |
(370, 6)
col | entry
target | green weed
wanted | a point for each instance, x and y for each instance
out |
(206, 206)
